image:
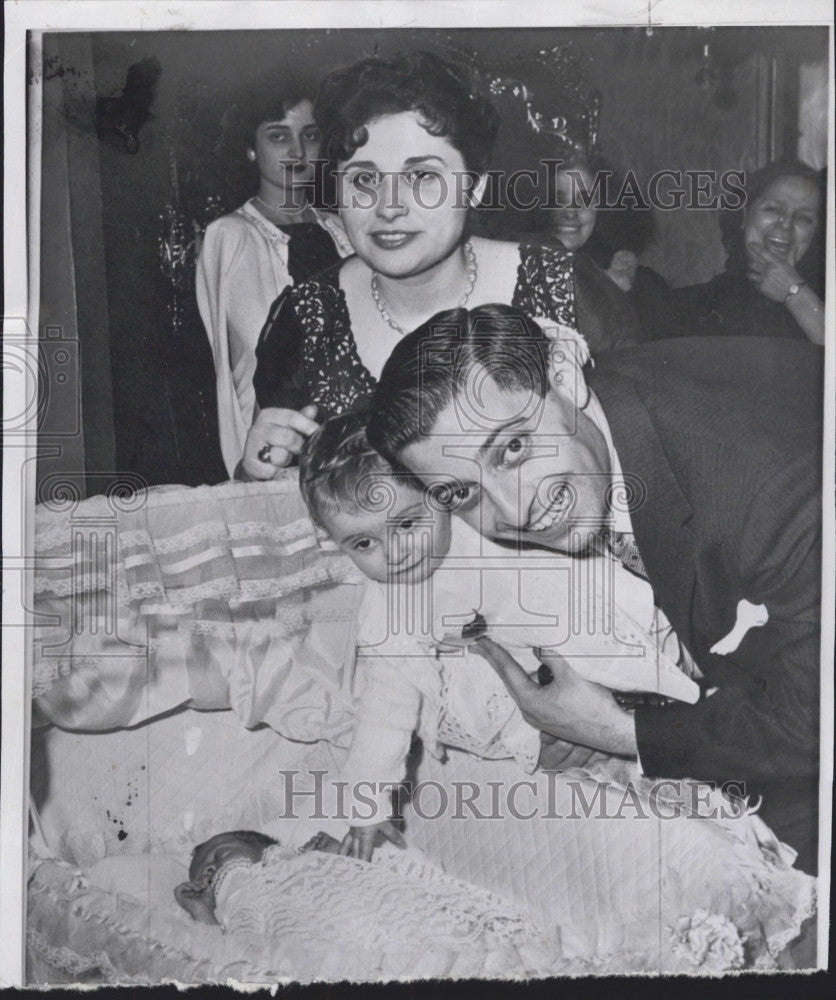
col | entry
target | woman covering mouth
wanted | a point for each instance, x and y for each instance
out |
(773, 285)
(778, 246)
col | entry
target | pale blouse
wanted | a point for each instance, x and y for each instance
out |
(241, 271)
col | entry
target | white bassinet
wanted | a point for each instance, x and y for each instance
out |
(210, 599)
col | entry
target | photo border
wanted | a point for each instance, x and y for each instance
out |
(21, 274)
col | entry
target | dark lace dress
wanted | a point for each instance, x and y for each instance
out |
(307, 353)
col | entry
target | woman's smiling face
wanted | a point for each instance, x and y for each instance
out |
(401, 196)
(785, 218)
(572, 221)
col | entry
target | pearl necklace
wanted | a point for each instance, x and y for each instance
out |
(274, 214)
(380, 302)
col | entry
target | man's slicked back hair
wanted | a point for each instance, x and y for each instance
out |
(441, 360)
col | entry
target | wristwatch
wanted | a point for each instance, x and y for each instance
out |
(794, 289)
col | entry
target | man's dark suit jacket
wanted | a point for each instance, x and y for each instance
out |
(726, 437)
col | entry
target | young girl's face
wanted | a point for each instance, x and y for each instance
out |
(396, 544)
(284, 150)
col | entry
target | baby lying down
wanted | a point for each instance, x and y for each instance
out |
(339, 917)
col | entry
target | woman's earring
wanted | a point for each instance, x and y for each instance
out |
(251, 155)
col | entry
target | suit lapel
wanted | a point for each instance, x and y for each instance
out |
(661, 514)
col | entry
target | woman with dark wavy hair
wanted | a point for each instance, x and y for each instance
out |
(409, 139)
(277, 237)
(773, 283)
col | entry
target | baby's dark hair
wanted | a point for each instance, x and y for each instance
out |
(446, 94)
(248, 836)
(336, 462)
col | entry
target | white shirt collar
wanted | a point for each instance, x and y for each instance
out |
(620, 515)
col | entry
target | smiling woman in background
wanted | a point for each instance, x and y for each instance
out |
(273, 240)
(628, 301)
(773, 283)
(410, 138)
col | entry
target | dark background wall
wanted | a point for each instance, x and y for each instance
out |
(118, 228)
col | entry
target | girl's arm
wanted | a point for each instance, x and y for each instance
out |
(389, 710)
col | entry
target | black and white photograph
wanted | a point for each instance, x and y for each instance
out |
(418, 492)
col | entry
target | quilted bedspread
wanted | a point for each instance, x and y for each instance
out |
(616, 894)
(613, 883)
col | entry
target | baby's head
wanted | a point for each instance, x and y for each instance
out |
(208, 857)
(382, 519)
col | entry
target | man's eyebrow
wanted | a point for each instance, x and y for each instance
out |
(491, 439)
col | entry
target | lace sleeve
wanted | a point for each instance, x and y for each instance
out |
(545, 283)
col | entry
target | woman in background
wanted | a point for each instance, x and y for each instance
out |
(410, 139)
(633, 300)
(274, 239)
(773, 283)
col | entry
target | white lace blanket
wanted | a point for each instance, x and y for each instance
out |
(330, 917)
(215, 597)
(317, 917)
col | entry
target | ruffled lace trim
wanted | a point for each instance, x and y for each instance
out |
(68, 961)
(77, 584)
(47, 672)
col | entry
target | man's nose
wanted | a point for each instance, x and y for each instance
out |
(389, 203)
(501, 509)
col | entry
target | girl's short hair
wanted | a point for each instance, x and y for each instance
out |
(266, 99)
(732, 221)
(447, 96)
(336, 459)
